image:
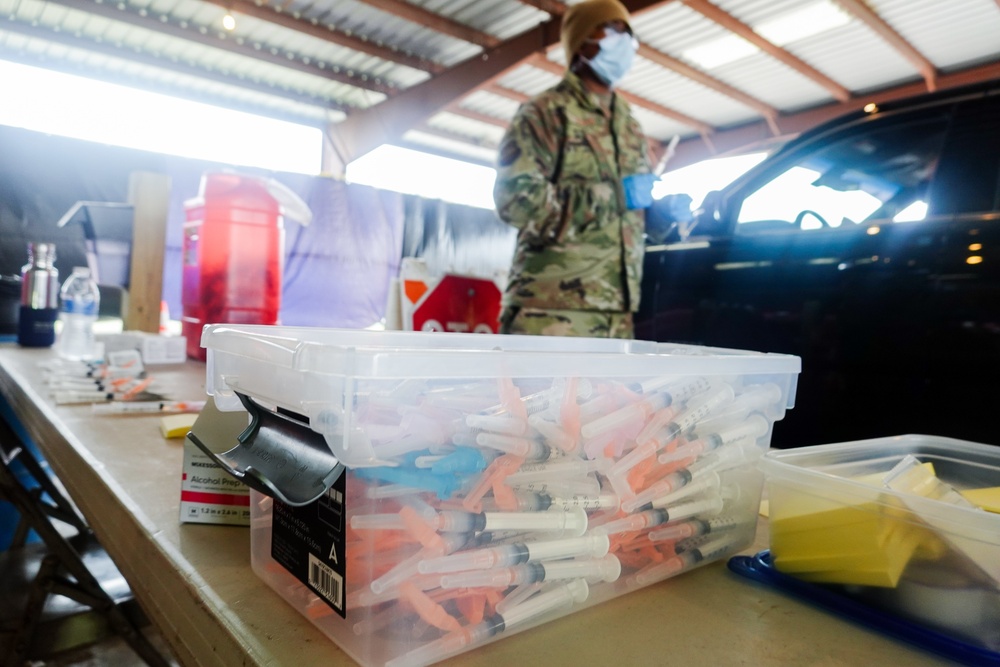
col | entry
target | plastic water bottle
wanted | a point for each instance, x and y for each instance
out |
(79, 302)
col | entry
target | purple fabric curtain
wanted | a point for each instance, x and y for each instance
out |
(338, 269)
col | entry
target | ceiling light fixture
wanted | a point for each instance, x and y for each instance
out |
(229, 21)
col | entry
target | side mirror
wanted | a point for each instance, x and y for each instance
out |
(666, 216)
(707, 217)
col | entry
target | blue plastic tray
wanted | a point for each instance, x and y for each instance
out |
(760, 568)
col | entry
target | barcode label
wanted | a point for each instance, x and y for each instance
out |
(326, 582)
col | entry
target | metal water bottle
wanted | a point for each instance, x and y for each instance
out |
(39, 297)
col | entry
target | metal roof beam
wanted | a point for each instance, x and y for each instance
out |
(888, 34)
(388, 121)
(457, 137)
(170, 66)
(444, 152)
(541, 62)
(685, 70)
(552, 7)
(384, 123)
(457, 109)
(325, 32)
(734, 25)
(509, 94)
(125, 14)
(435, 22)
(675, 65)
(556, 9)
(737, 139)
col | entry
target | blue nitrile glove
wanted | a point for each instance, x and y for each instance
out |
(663, 216)
(638, 190)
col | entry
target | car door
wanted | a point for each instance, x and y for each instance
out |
(845, 249)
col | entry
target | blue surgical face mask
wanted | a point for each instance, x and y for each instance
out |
(615, 58)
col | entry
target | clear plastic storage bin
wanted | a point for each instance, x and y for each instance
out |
(492, 482)
(907, 526)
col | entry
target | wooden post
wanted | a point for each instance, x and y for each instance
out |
(149, 195)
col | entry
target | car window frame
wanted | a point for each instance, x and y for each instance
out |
(797, 152)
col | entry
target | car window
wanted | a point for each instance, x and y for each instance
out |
(870, 175)
(968, 180)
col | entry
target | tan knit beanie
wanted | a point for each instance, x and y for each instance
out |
(581, 19)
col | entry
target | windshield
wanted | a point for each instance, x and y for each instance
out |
(697, 180)
(869, 176)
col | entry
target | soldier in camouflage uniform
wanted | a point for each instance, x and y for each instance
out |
(565, 165)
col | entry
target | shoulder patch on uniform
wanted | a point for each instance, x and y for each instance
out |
(509, 152)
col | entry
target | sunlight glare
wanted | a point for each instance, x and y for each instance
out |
(46, 101)
(697, 180)
(430, 176)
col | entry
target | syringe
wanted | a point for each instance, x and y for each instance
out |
(697, 408)
(684, 560)
(751, 429)
(546, 398)
(727, 457)
(655, 517)
(538, 606)
(721, 459)
(572, 521)
(680, 393)
(459, 460)
(708, 482)
(140, 407)
(606, 569)
(593, 546)
(634, 412)
(693, 528)
(599, 501)
(703, 473)
(408, 567)
(551, 433)
(527, 448)
(579, 486)
(760, 398)
(554, 470)
(508, 500)
(505, 424)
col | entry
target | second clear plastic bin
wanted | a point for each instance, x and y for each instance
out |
(908, 526)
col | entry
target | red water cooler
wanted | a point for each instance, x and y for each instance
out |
(234, 252)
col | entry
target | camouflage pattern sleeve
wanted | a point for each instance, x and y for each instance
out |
(524, 193)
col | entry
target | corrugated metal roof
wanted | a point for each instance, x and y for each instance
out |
(950, 36)
(331, 61)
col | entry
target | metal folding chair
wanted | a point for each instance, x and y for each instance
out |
(68, 572)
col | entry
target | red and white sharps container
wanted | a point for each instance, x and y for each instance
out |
(234, 252)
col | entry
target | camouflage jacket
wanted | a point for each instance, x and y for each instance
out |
(559, 182)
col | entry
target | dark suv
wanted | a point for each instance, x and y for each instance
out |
(870, 247)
